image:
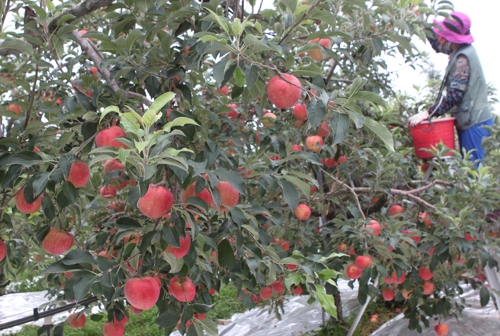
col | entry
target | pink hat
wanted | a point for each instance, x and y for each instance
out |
(456, 30)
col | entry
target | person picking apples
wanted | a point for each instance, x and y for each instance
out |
(467, 94)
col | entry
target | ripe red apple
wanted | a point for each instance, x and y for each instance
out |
(185, 244)
(406, 293)
(375, 227)
(316, 54)
(57, 241)
(107, 137)
(330, 162)
(395, 279)
(342, 159)
(283, 94)
(123, 321)
(205, 195)
(135, 310)
(182, 289)
(268, 119)
(296, 148)
(302, 212)
(75, 321)
(300, 112)
(363, 261)
(255, 298)
(108, 191)
(113, 164)
(25, 207)
(266, 293)
(94, 70)
(156, 202)
(323, 130)
(211, 291)
(396, 210)
(426, 219)
(3, 250)
(291, 267)
(113, 329)
(233, 114)
(228, 194)
(142, 293)
(297, 290)
(79, 174)
(388, 294)
(223, 90)
(342, 247)
(14, 108)
(425, 273)
(278, 286)
(314, 143)
(285, 245)
(441, 329)
(428, 287)
(353, 272)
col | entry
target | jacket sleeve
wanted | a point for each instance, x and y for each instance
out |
(456, 91)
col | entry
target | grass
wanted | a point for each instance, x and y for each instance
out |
(226, 304)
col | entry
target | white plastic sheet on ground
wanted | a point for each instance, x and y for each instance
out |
(475, 320)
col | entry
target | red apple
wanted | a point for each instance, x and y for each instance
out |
(285, 245)
(79, 174)
(205, 195)
(314, 143)
(156, 202)
(3, 250)
(108, 191)
(113, 329)
(123, 321)
(388, 294)
(142, 293)
(296, 148)
(266, 293)
(316, 54)
(75, 321)
(302, 212)
(428, 287)
(182, 289)
(135, 310)
(283, 94)
(14, 108)
(395, 210)
(93, 70)
(363, 261)
(185, 244)
(255, 298)
(441, 329)
(228, 194)
(375, 227)
(341, 247)
(353, 272)
(211, 291)
(233, 114)
(406, 293)
(297, 290)
(300, 112)
(278, 286)
(25, 207)
(323, 130)
(342, 159)
(330, 162)
(57, 241)
(291, 267)
(107, 137)
(425, 273)
(113, 164)
(426, 219)
(223, 90)
(268, 119)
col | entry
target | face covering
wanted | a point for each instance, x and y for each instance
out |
(446, 48)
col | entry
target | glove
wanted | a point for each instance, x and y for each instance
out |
(418, 118)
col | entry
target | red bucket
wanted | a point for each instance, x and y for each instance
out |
(426, 135)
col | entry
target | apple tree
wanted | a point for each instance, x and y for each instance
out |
(154, 151)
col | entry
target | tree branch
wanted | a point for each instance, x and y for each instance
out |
(89, 48)
(78, 11)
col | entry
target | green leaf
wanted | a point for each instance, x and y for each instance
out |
(160, 102)
(290, 194)
(303, 186)
(11, 176)
(237, 27)
(16, 44)
(220, 21)
(309, 70)
(179, 122)
(109, 109)
(126, 223)
(226, 254)
(65, 162)
(327, 274)
(382, 132)
(239, 77)
(368, 96)
(326, 301)
(82, 286)
(208, 325)
(340, 126)
(484, 295)
(48, 208)
(77, 257)
(316, 111)
(168, 319)
(27, 159)
(65, 18)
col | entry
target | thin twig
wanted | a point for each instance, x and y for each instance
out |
(351, 190)
(32, 98)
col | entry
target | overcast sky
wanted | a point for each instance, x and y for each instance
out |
(484, 14)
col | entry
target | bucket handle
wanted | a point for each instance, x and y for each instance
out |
(432, 126)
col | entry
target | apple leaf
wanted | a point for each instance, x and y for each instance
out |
(290, 194)
(208, 325)
(340, 126)
(326, 301)
(109, 109)
(168, 319)
(484, 295)
(77, 257)
(382, 132)
(160, 102)
(226, 254)
(181, 121)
